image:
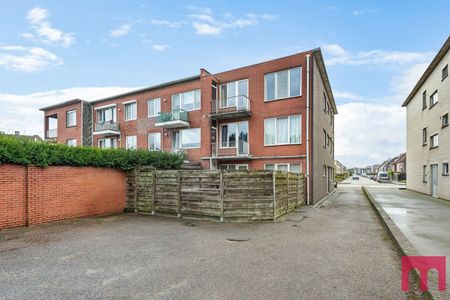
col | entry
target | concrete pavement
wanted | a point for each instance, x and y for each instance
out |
(336, 251)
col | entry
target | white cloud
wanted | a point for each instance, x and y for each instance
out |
(159, 47)
(345, 95)
(26, 107)
(121, 31)
(368, 133)
(403, 83)
(26, 59)
(360, 12)
(269, 17)
(206, 29)
(166, 23)
(44, 32)
(337, 55)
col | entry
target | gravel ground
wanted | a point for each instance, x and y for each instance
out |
(336, 251)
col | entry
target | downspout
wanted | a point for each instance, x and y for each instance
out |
(81, 116)
(307, 130)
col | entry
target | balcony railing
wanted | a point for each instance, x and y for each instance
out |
(52, 133)
(173, 119)
(230, 149)
(231, 107)
(109, 126)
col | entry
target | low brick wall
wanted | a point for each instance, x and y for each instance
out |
(33, 195)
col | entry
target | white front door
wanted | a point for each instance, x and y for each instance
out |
(434, 181)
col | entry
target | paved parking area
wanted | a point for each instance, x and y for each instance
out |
(336, 251)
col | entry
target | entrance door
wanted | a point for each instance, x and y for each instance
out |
(434, 181)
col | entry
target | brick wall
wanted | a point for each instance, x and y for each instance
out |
(38, 195)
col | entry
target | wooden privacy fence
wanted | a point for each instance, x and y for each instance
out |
(221, 195)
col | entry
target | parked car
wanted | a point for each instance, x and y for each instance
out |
(355, 178)
(383, 177)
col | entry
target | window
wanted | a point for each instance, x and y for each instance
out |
(154, 107)
(294, 168)
(445, 72)
(154, 141)
(186, 101)
(434, 141)
(282, 131)
(325, 103)
(424, 136)
(424, 174)
(434, 99)
(106, 115)
(283, 167)
(282, 84)
(130, 111)
(445, 169)
(107, 143)
(424, 100)
(445, 120)
(234, 134)
(190, 138)
(234, 167)
(325, 169)
(232, 94)
(324, 138)
(71, 142)
(131, 142)
(71, 118)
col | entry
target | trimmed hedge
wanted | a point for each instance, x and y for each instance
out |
(24, 152)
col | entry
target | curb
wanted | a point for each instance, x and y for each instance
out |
(404, 247)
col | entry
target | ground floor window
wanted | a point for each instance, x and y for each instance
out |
(186, 139)
(424, 173)
(71, 142)
(283, 167)
(234, 167)
(445, 169)
(131, 142)
(107, 143)
(154, 141)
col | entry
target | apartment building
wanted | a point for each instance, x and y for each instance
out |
(428, 133)
(275, 115)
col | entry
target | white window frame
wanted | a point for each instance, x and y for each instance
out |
(236, 88)
(434, 143)
(73, 145)
(152, 103)
(110, 140)
(289, 131)
(284, 164)
(434, 99)
(181, 98)
(128, 104)
(101, 111)
(74, 112)
(133, 137)
(160, 141)
(237, 134)
(288, 85)
(235, 165)
(181, 138)
(446, 115)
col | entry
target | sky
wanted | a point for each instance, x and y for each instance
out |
(375, 51)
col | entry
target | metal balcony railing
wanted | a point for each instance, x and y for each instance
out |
(108, 125)
(229, 149)
(52, 133)
(239, 103)
(174, 115)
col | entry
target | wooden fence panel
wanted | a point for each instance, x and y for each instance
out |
(166, 192)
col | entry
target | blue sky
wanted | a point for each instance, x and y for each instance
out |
(52, 51)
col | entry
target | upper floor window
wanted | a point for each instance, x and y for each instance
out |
(445, 120)
(445, 72)
(424, 136)
(154, 107)
(424, 100)
(433, 99)
(154, 141)
(107, 115)
(282, 131)
(324, 138)
(186, 100)
(282, 84)
(434, 141)
(131, 142)
(325, 103)
(130, 111)
(71, 142)
(232, 93)
(71, 118)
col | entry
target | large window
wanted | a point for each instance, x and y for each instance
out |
(131, 142)
(434, 141)
(154, 107)
(283, 167)
(186, 101)
(282, 84)
(106, 115)
(130, 111)
(71, 118)
(107, 143)
(234, 94)
(154, 141)
(71, 142)
(187, 138)
(282, 131)
(434, 99)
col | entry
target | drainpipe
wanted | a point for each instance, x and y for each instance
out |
(307, 130)
(81, 117)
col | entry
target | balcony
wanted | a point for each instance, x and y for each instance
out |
(108, 127)
(232, 107)
(177, 118)
(51, 135)
(231, 150)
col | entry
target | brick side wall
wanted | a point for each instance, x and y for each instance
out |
(58, 193)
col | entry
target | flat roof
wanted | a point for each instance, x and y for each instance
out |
(61, 104)
(436, 60)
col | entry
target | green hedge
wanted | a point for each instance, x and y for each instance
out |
(23, 152)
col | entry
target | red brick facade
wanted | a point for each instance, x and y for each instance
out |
(33, 195)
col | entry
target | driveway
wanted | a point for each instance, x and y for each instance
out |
(338, 250)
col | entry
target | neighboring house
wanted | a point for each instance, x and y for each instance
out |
(16, 134)
(399, 164)
(277, 115)
(427, 130)
(339, 167)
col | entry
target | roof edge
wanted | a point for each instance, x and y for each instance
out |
(317, 52)
(61, 104)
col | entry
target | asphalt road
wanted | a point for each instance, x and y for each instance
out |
(338, 250)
